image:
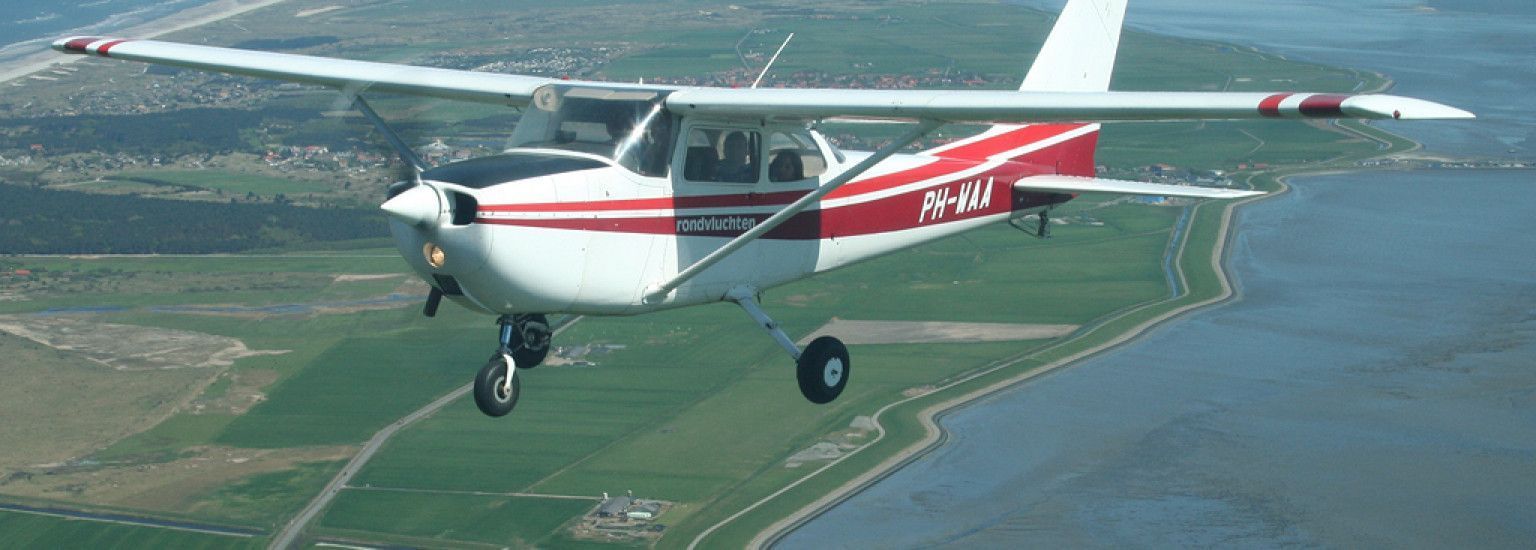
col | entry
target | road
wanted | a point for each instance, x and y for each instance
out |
(289, 536)
(137, 521)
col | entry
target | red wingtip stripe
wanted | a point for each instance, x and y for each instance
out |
(102, 49)
(1323, 105)
(79, 44)
(1270, 107)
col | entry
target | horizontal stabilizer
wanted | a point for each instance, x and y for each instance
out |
(1075, 184)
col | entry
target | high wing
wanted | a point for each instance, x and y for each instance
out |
(1076, 184)
(995, 106)
(808, 104)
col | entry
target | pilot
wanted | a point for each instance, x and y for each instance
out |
(619, 127)
(736, 164)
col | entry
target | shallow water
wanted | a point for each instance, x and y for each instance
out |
(1375, 385)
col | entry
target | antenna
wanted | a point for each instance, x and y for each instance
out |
(772, 59)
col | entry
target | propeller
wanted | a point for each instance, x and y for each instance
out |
(408, 200)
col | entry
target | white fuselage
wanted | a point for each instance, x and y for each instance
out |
(593, 240)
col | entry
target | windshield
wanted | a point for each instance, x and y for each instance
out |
(629, 126)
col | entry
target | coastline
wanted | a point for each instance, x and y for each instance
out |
(182, 20)
(934, 435)
(928, 418)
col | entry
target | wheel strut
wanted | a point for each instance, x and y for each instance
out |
(822, 368)
(506, 323)
(747, 299)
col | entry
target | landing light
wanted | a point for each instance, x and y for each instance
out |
(434, 255)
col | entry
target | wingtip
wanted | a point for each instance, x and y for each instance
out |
(75, 44)
(1402, 108)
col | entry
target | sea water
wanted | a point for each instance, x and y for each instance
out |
(29, 26)
(1373, 385)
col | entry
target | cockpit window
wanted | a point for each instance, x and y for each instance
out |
(629, 126)
(794, 157)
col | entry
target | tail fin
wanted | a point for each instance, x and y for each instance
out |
(1078, 56)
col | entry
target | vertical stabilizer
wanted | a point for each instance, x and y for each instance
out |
(1079, 55)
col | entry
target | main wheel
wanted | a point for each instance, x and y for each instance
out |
(530, 340)
(491, 395)
(823, 370)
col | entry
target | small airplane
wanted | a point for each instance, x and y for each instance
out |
(622, 199)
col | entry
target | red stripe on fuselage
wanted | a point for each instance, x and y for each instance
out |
(934, 169)
(899, 212)
(942, 165)
(886, 215)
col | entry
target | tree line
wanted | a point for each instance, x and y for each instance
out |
(45, 221)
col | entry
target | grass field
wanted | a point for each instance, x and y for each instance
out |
(520, 522)
(21, 530)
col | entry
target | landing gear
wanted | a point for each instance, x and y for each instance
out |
(822, 369)
(497, 387)
(524, 344)
(530, 339)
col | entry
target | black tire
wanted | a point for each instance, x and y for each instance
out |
(489, 395)
(527, 354)
(526, 358)
(823, 370)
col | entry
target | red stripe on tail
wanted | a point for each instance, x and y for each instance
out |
(1073, 157)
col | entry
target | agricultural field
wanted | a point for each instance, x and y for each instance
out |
(22, 530)
(693, 407)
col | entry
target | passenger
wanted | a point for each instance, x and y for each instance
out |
(786, 166)
(736, 164)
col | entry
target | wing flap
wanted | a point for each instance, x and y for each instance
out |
(1074, 184)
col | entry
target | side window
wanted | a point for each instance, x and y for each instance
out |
(723, 155)
(648, 150)
(794, 157)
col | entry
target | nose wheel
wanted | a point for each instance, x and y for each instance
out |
(497, 386)
(524, 344)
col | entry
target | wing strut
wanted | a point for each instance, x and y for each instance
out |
(660, 290)
(405, 152)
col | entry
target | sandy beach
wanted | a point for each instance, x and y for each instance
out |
(193, 17)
